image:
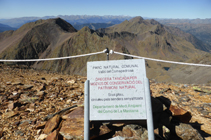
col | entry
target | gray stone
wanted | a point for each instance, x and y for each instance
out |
(132, 132)
(19, 132)
(187, 132)
(27, 87)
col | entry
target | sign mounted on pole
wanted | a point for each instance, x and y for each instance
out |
(117, 90)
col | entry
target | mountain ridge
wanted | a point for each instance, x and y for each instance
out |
(72, 19)
(200, 31)
(200, 28)
(83, 19)
(57, 38)
(39, 32)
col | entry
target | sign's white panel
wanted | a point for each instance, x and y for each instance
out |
(117, 89)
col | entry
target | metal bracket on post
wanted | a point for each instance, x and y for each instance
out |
(86, 110)
(107, 51)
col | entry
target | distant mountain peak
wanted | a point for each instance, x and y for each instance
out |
(154, 22)
(64, 25)
(86, 29)
(138, 19)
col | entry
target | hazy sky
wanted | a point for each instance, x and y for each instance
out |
(146, 8)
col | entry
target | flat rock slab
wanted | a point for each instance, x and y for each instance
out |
(187, 132)
(51, 124)
(182, 114)
(73, 128)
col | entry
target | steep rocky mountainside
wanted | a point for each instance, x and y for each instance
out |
(57, 38)
(200, 28)
(155, 40)
(201, 31)
(33, 38)
(140, 26)
(38, 105)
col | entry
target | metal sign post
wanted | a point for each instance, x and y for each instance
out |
(117, 90)
(86, 110)
(150, 127)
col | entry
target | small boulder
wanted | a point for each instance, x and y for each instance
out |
(51, 124)
(187, 132)
(180, 113)
(53, 135)
(73, 126)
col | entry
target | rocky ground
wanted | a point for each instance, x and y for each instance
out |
(42, 105)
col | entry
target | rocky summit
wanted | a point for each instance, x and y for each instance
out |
(41, 105)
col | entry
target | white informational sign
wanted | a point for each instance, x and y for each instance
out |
(117, 89)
